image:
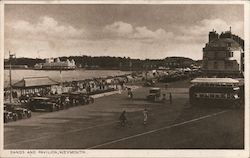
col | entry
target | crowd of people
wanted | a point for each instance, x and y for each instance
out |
(88, 86)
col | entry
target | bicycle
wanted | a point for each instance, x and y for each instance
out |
(126, 124)
(130, 95)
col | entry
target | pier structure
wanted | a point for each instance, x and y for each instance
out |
(56, 64)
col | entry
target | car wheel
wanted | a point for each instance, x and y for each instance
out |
(32, 108)
(29, 115)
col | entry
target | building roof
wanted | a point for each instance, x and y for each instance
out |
(34, 82)
(223, 43)
(214, 80)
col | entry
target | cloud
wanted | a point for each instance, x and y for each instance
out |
(26, 38)
(144, 32)
(221, 26)
(199, 31)
(116, 39)
(46, 28)
(119, 28)
(126, 30)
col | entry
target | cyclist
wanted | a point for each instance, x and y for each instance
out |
(123, 118)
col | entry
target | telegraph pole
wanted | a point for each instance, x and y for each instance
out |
(10, 56)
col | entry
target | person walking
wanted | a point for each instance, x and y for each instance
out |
(123, 118)
(163, 97)
(145, 116)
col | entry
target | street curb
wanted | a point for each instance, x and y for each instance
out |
(112, 93)
(104, 94)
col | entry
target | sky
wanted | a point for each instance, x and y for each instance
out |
(144, 31)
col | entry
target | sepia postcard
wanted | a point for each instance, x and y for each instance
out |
(105, 78)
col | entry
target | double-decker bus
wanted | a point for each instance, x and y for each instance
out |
(216, 91)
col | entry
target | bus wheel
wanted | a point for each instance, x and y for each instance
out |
(236, 105)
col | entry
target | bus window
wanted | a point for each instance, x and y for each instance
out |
(224, 96)
(196, 95)
(234, 96)
(229, 96)
(211, 95)
(217, 95)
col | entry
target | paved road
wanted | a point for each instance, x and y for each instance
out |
(176, 126)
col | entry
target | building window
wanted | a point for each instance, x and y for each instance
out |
(230, 54)
(229, 44)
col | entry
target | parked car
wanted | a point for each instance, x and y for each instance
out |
(18, 108)
(42, 103)
(57, 99)
(154, 94)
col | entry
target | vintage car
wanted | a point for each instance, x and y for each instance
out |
(9, 116)
(57, 99)
(20, 109)
(154, 94)
(42, 103)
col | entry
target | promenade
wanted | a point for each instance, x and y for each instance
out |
(170, 126)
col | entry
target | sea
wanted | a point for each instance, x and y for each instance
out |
(62, 76)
